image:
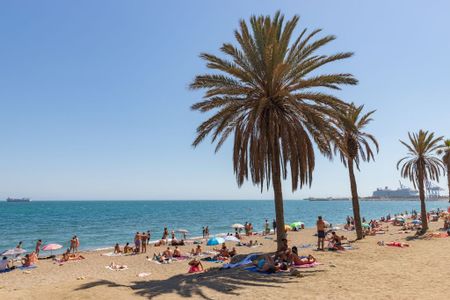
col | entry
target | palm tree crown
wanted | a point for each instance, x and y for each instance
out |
(420, 158)
(352, 142)
(262, 93)
(444, 150)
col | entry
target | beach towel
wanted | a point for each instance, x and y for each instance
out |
(247, 260)
(212, 260)
(5, 271)
(112, 254)
(255, 270)
(27, 268)
(305, 246)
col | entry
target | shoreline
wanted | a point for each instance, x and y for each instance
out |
(334, 278)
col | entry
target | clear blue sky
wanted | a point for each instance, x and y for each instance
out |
(94, 101)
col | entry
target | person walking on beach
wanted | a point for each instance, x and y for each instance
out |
(207, 232)
(172, 233)
(165, 235)
(203, 231)
(274, 225)
(38, 247)
(320, 233)
(144, 242)
(149, 235)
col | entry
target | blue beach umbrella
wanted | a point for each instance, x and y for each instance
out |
(215, 241)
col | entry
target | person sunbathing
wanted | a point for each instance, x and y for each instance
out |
(176, 252)
(195, 266)
(397, 244)
(301, 260)
(117, 249)
(5, 265)
(233, 252)
(266, 265)
(197, 251)
(127, 249)
(168, 253)
(114, 266)
(27, 261)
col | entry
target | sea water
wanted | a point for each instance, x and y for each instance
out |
(101, 224)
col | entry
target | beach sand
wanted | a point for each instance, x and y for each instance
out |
(370, 271)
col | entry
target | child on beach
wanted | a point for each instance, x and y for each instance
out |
(38, 247)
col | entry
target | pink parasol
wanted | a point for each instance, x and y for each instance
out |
(51, 247)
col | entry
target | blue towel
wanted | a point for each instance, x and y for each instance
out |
(27, 268)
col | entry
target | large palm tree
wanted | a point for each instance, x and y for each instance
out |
(444, 150)
(353, 145)
(263, 94)
(421, 165)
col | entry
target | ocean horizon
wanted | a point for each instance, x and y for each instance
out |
(102, 223)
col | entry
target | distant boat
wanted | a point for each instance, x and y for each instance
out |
(18, 200)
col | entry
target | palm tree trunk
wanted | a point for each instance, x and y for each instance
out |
(279, 210)
(423, 209)
(448, 179)
(355, 200)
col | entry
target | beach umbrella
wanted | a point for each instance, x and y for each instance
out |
(215, 241)
(13, 252)
(297, 224)
(51, 247)
(231, 238)
(238, 226)
(365, 225)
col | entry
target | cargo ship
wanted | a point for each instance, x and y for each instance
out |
(18, 200)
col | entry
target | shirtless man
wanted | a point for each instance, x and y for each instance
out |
(197, 251)
(137, 242)
(176, 252)
(144, 242)
(320, 233)
(77, 243)
(168, 253)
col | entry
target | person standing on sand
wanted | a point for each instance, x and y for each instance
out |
(144, 242)
(149, 235)
(207, 232)
(72, 245)
(38, 247)
(172, 233)
(320, 233)
(77, 243)
(274, 225)
(19, 245)
(137, 242)
(203, 231)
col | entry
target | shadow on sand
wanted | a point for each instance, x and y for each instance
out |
(226, 282)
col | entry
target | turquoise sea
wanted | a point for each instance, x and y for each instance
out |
(101, 224)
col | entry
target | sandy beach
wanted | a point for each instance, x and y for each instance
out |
(379, 272)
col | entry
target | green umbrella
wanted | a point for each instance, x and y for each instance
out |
(365, 225)
(296, 224)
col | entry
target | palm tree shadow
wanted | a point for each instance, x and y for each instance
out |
(226, 282)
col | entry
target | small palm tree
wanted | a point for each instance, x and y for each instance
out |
(263, 95)
(421, 165)
(353, 145)
(444, 150)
